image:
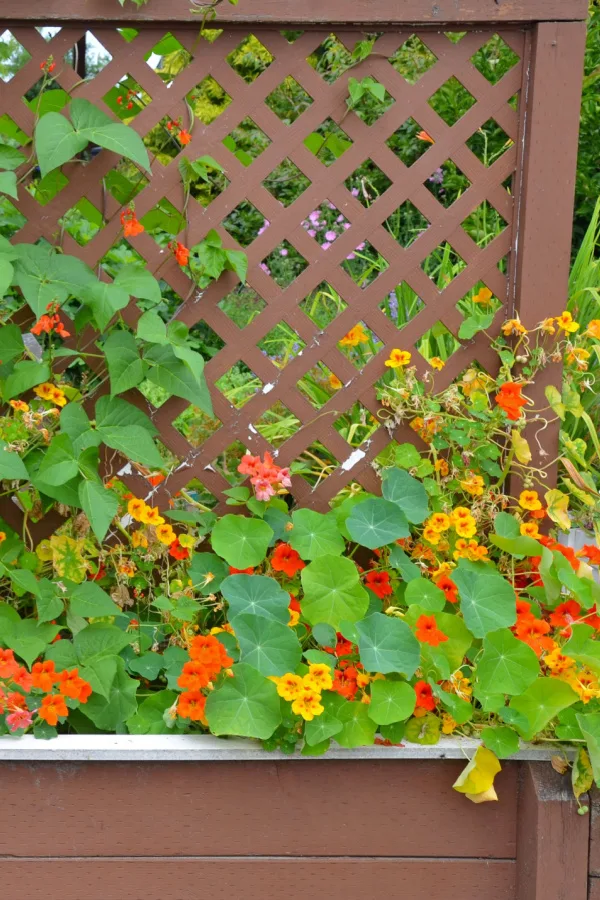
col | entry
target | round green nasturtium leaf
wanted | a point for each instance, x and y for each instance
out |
(256, 595)
(324, 634)
(425, 594)
(358, 729)
(376, 522)
(386, 644)
(448, 656)
(391, 701)
(590, 729)
(150, 716)
(332, 591)
(541, 702)
(240, 541)
(424, 730)
(393, 733)
(406, 492)
(460, 710)
(315, 749)
(321, 728)
(507, 666)
(207, 572)
(315, 534)
(501, 740)
(487, 600)
(268, 646)
(246, 705)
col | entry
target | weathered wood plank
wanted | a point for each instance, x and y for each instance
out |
(315, 808)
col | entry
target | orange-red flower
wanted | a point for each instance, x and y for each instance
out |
(533, 632)
(206, 649)
(565, 614)
(70, 684)
(177, 551)
(591, 552)
(53, 706)
(22, 678)
(234, 571)
(379, 583)
(181, 253)
(194, 676)
(510, 400)
(286, 559)
(344, 680)
(424, 698)
(44, 675)
(191, 705)
(8, 665)
(427, 631)
(449, 588)
(131, 225)
(184, 136)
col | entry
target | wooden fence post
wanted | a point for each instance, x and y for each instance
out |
(552, 839)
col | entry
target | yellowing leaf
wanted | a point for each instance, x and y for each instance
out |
(44, 551)
(483, 797)
(521, 448)
(558, 504)
(582, 775)
(478, 776)
(67, 558)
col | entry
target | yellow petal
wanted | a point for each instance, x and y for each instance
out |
(483, 797)
(478, 776)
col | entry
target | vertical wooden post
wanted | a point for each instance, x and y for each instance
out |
(552, 839)
(544, 225)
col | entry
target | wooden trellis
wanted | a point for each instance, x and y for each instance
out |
(529, 185)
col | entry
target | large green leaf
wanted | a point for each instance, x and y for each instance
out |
(99, 640)
(104, 301)
(56, 141)
(332, 591)
(10, 157)
(246, 705)
(88, 600)
(321, 728)
(28, 639)
(315, 534)
(376, 522)
(448, 656)
(590, 728)
(358, 729)
(25, 375)
(240, 541)
(386, 644)
(59, 464)
(124, 428)
(150, 715)
(207, 572)
(425, 594)
(541, 702)
(406, 492)
(268, 646)
(100, 505)
(11, 342)
(111, 713)
(48, 604)
(46, 276)
(75, 423)
(172, 374)
(256, 595)
(151, 328)
(501, 740)
(125, 368)
(507, 666)
(391, 701)
(487, 600)
(11, 464)
(139, 282)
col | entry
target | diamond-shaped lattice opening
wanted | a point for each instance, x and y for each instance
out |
(166, 140)
(502, 265)
(479, 302)
(489, 142)
(484, 224)
(163, 222)
(315, 464)
(14, 56)
(155, 395)
(246, 141)
(168, 58)
(360, 345)
(208, 185)
(330, 59)
(325, 224)
(451, 101)
(406, 224)
(319, 384)
(437, 345)
(357, 424)
(239, 384)
(242, 305)
(443, 265)
(401, 305)
(413, 59)
(119, 255)
(367, 183)
(277, 424)
(323, 305)
(208, 100)
(409, 142)
(245, 223)
(370, 108)
(125, 181)
(288, 100)
(250, 59)
(328, 142)
(47, 31)
(127, 98)
(97, 56)
(286, 183)
(9, 129)
(45, 189)
(82, 221)
(281, 345)
(364, 264)
(11, 219)
(195, 426)
(227, 462)
(494, 59)
(205, 340)
(284, 264)
(193, 493)
(447, 183)
(455, 36)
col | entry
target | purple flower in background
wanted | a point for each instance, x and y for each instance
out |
(325, 246)
(264, 227)
(393, 306)
(312, 232)
(361, 246)
(295, 347)
(346, 226)
(330, 235)
(265, 268)
(340, 218)
(283, 252)
(351, 256)
(354, 192)
(437, 177)
(330, 204)
(315, 216)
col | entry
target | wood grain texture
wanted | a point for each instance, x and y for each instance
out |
(309, 11)
(594, 889)
(273, 879)
(595, 833)
(552, 840)
(230, 809)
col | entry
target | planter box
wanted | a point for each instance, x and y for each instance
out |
(151, 818)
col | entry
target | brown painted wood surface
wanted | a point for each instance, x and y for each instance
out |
(272, 879)
(594, 889)
(309, 11)
(310, 808)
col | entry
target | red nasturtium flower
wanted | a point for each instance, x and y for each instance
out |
(424, 698)
(345, 680)
(591, 552)
(53, 706)
(184, 137)
(234, 571)
(131, 225)
(191, 705)
(181, 252)
(565, 614)
(510, 400)
(379, 583)
(44, 675)
(8, 665)
(449, 588)
(286, 559)
(427, 631)
(177, 551)
(70, 684)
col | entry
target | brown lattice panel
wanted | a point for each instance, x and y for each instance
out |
(327, 183)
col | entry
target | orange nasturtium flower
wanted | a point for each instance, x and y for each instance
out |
(355, 337)
(398, 359)
(427, 631)
(593, 329)
(334, 382)
(286, 560)
(510, 400)
(565, 322)
(130, 223)
(423, 136)
(191, 705)
(483, 296)
(53, 707)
